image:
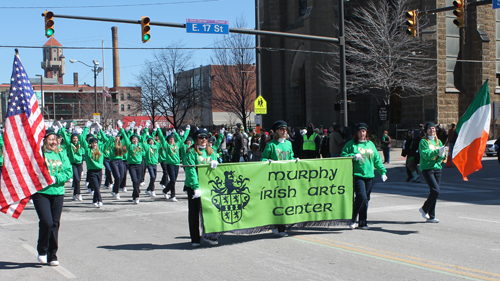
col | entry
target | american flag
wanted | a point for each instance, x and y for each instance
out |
(106, 93)
(24, 172)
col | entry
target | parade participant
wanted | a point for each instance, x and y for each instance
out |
(108, 181)
(432, 153)
(198, 153)
(280, 148)
(414, 157)
(310, 147)
(74, 153)
(95, 162)
(129, 131)
(48, 202)
(172, 160)
(366, 158)
(135, 151)
(151, 149)
(386, 147)
(116, 152)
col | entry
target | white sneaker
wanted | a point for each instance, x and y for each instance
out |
(196, 244)
(80, 197)
(365, 227)
(162, 186)
(75, 197)
(424, 214)
(92, 193)
(71, 180)
(136, 201)
(31, 201)
(124, 189)
(107, 186)
(89, 190)
(353, 225)
(100, 204)
(148, 193)
(212, 242)
(113, 194)
(117, 196)
(42, 259)
(143, 183)
(166, 195)
(173, 199)
(54, 263)
(96, 205)
(86, 183)
(432, 220)
(153, 193)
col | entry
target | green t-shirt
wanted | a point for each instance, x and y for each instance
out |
(364, 168)
(134, 151)
(276, 151)
(151, 153)
(93, 158)
(59, 167)
(193, 158)
(429, 154)
(74, 151)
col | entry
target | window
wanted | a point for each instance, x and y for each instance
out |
(302, 7)
(121, 97)
(123, 107)
(128, 106)
(452, 46)
(128, 96)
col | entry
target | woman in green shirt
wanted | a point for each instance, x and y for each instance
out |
(48, 202)
(366, 158)
(151, 149)
(432, 153)
(94, 158)
(74, 152)
(135, 150)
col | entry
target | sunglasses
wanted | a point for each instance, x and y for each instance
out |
(203, 137)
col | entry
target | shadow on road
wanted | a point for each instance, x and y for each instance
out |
(18, 265)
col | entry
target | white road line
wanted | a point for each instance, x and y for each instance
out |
(63, 271)
(478, 219)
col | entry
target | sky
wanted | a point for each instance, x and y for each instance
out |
(27, 33)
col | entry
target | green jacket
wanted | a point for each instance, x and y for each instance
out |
(134, 151)
(93, 158)
(59, 167)
(74, 151)
(193, 158)
(151, 152)
(364, 168)
(429, 154)
(278, 151)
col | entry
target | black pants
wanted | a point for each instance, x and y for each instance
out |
(164, 178)
(309, 154)
(236, 156)
(135, 173)
(194, 209)
(95, 178)
(77, 172)
(107, 173)
(362, 189)
(152, 177)
(124, 179)
(48, 209)
(432, 178)
(143, 174)
(173, 172)
(119, 172)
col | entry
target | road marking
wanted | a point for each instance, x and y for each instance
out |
(453, 270)
(63, 271)
(478, 219)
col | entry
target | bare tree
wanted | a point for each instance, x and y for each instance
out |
(381, 59)
(161, 95)
(233, 84)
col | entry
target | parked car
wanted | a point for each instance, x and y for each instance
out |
(491, 150)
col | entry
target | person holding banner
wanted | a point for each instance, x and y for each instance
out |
(432, 153)
(198, 153)
(280, 148)
(48, 202)
(366, 158)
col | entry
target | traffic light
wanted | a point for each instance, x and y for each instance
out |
(459, 12)
(49, 23)
(412, 23)
(145, 29)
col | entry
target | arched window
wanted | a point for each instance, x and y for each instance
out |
(128, 106)
(123, 107)
(121, 97)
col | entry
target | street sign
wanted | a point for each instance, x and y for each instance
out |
(207, 26)
(260, 105)
(496, 4)
(97, 117)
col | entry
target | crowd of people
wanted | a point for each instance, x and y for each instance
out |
(115, 151)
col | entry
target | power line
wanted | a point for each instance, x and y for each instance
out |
(112, 6)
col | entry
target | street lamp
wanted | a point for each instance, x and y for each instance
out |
(96, 71)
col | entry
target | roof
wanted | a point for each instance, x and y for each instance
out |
(52, 42)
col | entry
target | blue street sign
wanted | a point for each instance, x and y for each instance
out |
(207, 26)
(496, 4)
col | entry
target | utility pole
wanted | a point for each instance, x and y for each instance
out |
(343, 90)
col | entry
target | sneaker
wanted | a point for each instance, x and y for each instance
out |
(143, 183)
(117, 196)
(136, 201)
(42, 259)
(275, 231)
(162, 186)
(89, 190)
(54, 263)
(353, 225)
(96, 204)
(80, 197)
(416, 179)
(147, 193)
(166, 195)
(75, 197)
(212, 242)
(283, 234)
(124, 189)
(196, 245)
(31, 201)
(87, 183)
(92, 193)
(113, 194)
(107, 186)
(71, 181)
(365, 227)
(173, 199)
(153, 193)
(434, 220)
(424, 214)
(100, 204)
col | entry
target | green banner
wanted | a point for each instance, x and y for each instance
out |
(251, 195)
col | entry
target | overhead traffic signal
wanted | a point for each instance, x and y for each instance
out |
(459, 12)
(145, 29)
(49, 23)
(412, 23)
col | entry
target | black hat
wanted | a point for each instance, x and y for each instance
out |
(89, 136)
(49, 132)
(200, 133)
(92, 140)
(189, 139)
(74, 135)
(134, 136)
(360, 126)
(428, 125)
(278, 124)
(170, 136)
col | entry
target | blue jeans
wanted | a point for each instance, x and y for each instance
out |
(135, 173)
(362, 190)
(77, 172)
(119, 172)
(152, 177)
(387, 154)
(95, 178)
(107, 173)
(433, 179)
(164, 177)
(173, 172)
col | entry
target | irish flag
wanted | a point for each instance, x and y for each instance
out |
(473, 128)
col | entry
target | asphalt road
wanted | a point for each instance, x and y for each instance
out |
(150, 241)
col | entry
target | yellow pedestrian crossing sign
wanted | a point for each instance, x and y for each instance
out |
(260, 105)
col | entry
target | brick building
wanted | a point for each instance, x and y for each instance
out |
(291, 81)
